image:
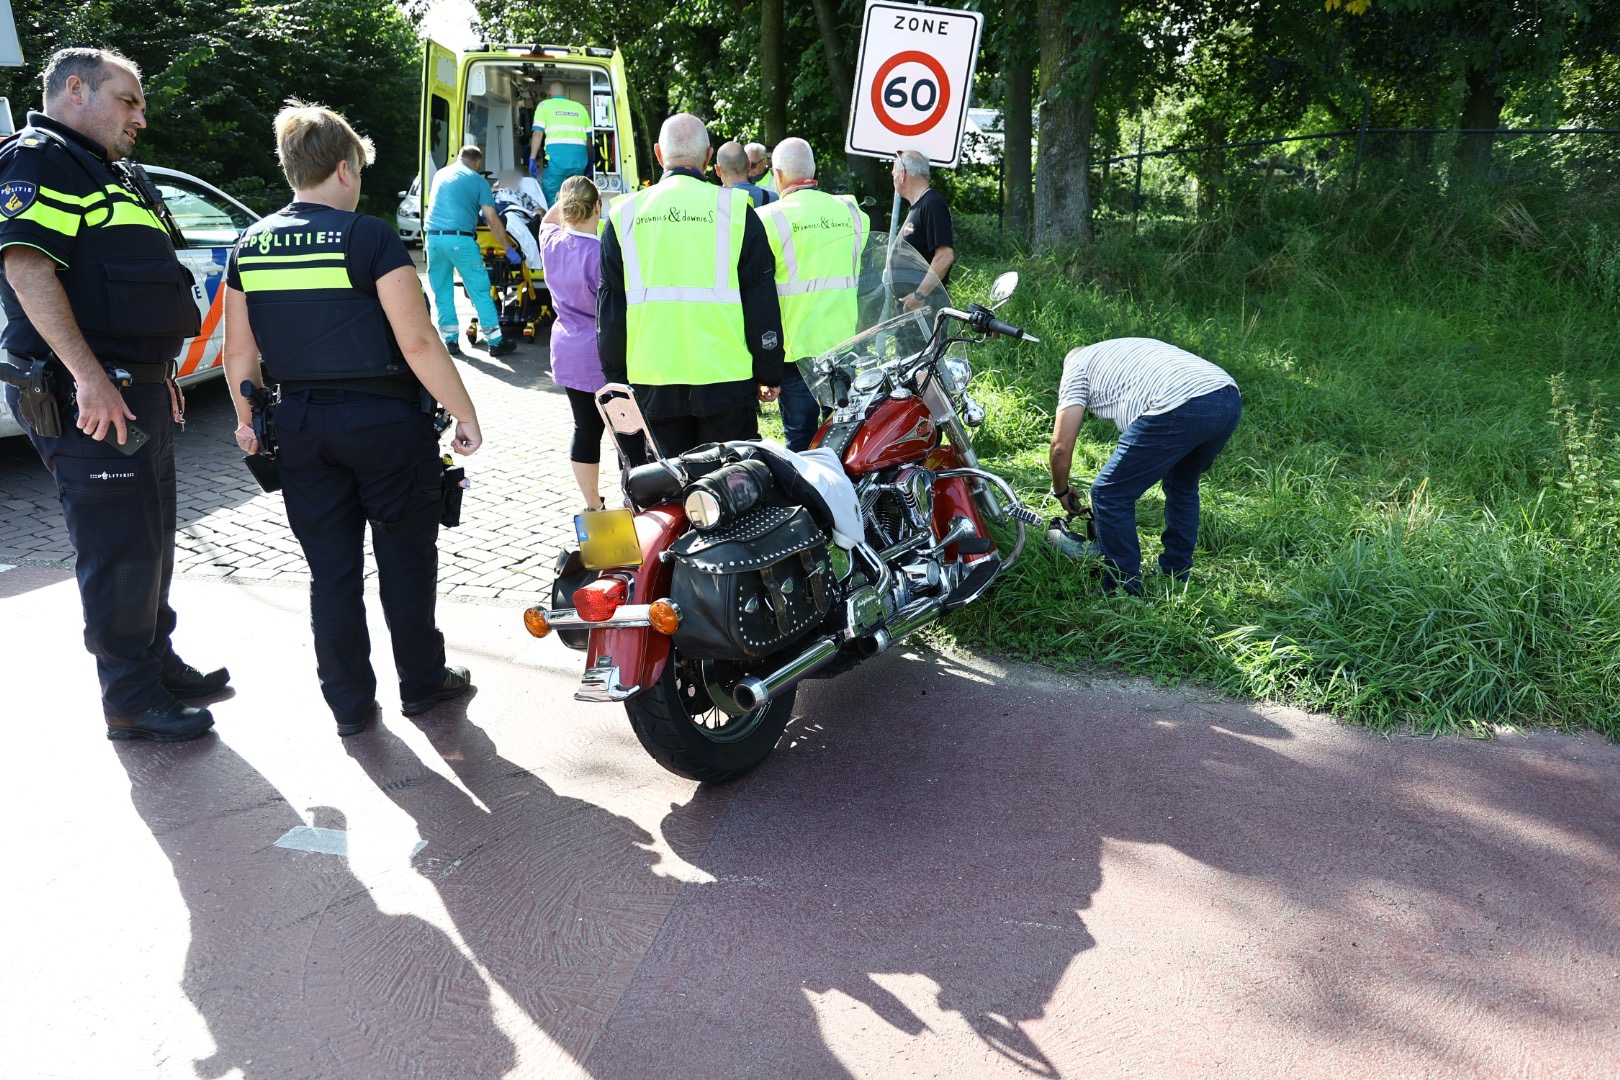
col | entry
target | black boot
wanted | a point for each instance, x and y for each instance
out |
(184, 681)
(169, 722)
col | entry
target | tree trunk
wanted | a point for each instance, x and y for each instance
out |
(1017, 125)
(862, 169)
(772, 80)
(1482, 108)
(1071, 71)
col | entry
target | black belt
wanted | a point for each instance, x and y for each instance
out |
(450, 232)
(138, 373)
(319, 389)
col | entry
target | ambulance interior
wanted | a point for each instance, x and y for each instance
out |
(501, 99)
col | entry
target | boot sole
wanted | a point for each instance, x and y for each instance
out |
(416, 708)
(130, 734)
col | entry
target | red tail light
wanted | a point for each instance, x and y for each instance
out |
(600, 599)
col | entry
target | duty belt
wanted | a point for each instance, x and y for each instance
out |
(146, 373)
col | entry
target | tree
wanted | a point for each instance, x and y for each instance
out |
(1075, 41)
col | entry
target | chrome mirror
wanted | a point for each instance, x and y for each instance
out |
(1002, 290)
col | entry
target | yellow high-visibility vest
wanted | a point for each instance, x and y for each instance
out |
(680, 241)
(564, 122)
(817, 239)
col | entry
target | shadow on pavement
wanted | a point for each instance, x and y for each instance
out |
(291, 964)
(919, 858)
(553, 895)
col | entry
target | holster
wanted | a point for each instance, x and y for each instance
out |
(36, 395)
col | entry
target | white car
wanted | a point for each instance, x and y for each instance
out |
(211, 222)
(408, 218)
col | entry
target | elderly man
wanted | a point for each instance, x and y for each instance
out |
(562, 130)
(687, 312)
(927, 227)
(759, 166)
(71, 209)
(1175, 412)
(458, 197)
(817, 239)
(731, 165)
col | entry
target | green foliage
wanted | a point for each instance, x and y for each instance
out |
(1396, 534)
(214, 76)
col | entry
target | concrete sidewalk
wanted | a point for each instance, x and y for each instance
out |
(949, 868)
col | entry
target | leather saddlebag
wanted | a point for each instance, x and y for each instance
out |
(751, 587)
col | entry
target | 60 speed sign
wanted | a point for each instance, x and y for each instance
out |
(914, 81)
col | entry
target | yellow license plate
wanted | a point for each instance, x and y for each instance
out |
(607, 538)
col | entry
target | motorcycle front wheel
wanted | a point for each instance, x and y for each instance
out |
(679, 724)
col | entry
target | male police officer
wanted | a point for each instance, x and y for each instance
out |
(562, 129)
(817, 240)
(330, 299)
(92, 288)
(687, 313)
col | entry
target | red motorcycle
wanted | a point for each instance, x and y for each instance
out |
(737, 570)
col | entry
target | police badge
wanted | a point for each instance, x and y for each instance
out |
(16, 196)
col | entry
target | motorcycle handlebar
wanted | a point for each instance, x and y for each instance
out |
(996, 326)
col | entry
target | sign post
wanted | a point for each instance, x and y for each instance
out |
(912, 85)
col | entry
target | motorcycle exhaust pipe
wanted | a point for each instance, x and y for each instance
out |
(914, 616)
(753, 691)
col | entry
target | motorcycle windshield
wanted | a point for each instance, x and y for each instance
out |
(886, 329)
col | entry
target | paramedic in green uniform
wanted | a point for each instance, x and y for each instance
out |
(562, 129)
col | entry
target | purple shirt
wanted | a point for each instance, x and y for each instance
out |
(573, 265)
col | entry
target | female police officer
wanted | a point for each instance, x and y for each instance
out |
(331, 301)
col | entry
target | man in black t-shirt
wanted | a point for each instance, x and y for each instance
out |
(927, 228)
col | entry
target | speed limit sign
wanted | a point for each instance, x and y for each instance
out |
(914, 81)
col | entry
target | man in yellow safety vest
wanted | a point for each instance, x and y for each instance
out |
(687, 313)
(817, 239)
(562, 129)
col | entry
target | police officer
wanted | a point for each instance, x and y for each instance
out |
(562, 130)
(92, 286)
(331, 301)
(817, 240)
(687, 313)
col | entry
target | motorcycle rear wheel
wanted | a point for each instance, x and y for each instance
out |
(678, 723)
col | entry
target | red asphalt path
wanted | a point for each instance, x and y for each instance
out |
(949, 868)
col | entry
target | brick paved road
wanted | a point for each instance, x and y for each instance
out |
(516, 515)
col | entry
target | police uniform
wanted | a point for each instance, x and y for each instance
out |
(355, 442)
(817, 240)
(134, 302)
(687, 312)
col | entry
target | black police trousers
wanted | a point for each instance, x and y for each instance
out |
(348, 459)
(120, 514)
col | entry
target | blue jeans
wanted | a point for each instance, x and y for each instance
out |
(801, 414)
(448, 256)
(1173, 449)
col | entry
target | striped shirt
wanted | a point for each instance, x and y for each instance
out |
(1125, 378)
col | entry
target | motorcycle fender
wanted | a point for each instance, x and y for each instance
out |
(640, 652)
(953, 499)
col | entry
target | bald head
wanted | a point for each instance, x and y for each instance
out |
(793, 161)
(683, 142)
(731, 162)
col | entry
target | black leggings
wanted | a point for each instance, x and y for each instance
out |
(588, 427)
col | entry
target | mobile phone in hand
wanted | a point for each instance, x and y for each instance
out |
(134, 439)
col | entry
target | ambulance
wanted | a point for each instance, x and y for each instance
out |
(487, 97)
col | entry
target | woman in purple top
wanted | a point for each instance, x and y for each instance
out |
(572, 257)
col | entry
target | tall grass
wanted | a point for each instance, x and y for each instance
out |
(1415, 524)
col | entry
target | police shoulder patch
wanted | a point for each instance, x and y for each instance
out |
(17, 196)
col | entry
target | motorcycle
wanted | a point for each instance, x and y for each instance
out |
(737, 570)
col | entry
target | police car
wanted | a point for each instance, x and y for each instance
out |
(211, 221)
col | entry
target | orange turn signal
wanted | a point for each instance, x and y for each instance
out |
(534, 621)
(665, 616)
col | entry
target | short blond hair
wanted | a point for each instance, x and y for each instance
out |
(577, 198)
(311, 140)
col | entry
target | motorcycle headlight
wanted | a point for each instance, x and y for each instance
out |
(955, 373)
